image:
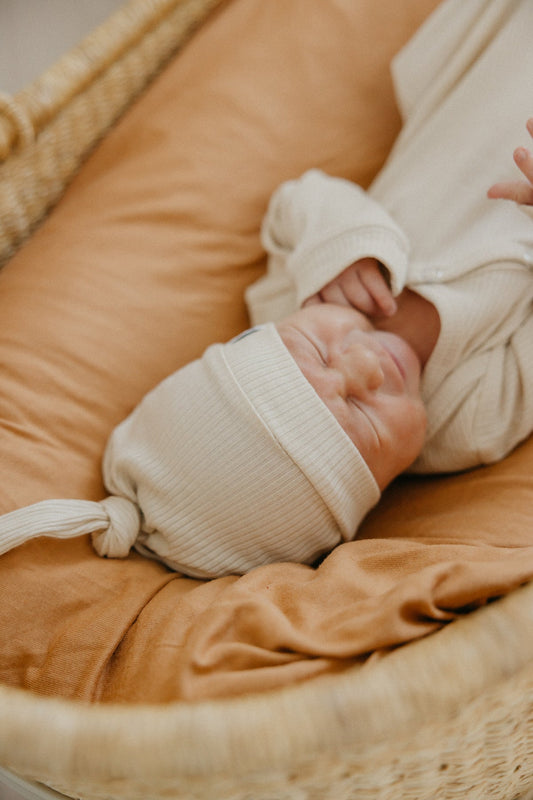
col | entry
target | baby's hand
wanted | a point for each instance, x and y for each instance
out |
(519, 191)
(363, 286)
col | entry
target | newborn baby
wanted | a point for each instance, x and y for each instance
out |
(272, 447)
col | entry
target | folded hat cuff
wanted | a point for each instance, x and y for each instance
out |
(280, 395)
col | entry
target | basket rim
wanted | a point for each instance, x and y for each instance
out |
(77, 100)
(428, 680)
(26, 113)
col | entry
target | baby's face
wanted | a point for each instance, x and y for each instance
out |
(369, 380)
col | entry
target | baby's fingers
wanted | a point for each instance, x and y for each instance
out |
(333, 293)
(314, 300)
(377, 287)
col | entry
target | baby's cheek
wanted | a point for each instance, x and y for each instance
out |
(415, 423)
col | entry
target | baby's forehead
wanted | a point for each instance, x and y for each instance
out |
(330, 317)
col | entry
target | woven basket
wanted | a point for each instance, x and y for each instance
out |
(450, 716)
(48, 129)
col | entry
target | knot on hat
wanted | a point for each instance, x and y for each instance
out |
(121, 533)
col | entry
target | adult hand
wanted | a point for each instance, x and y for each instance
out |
(519, 191)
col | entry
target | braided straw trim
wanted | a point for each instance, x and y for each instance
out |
(52, 91)
(447, 716)
(47, 130)
(15, 124)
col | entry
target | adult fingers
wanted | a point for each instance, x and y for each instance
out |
(524, 162)
(519, 191)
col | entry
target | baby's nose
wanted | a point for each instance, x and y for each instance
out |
(362, 368)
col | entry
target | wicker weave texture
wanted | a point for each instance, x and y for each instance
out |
(450, 716)
(48, 129)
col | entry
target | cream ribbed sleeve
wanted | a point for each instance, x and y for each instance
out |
(315, 227)
(465, 104)
(478, 383)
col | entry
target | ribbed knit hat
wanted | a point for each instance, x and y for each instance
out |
(229, 463)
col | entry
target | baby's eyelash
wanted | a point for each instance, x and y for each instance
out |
(319, 351)
(353, 401)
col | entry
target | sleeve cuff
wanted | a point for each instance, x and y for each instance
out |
(312, 270)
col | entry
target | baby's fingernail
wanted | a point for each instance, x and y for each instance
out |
(520, 154)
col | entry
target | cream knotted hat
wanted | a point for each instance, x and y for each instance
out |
(229, 463)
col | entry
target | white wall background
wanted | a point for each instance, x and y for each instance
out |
(35, 33)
